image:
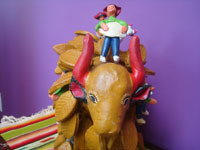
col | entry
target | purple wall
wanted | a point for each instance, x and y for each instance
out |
(169, 30)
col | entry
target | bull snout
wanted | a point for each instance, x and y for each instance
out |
(105, 127)
(107, 116)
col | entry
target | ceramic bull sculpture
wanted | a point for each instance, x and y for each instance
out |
(106, 91)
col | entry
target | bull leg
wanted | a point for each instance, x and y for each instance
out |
(129, 135)
(94, 141)
(79, 138)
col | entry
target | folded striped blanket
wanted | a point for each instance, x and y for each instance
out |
(35, 132)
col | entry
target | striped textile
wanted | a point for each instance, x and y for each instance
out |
(42, 144)
(39, 130)
(29, 122)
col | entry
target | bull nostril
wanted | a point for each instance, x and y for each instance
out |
(114, 123)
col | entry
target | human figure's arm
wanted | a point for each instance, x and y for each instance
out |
(99, 25)
(99, 33)
(104, 26)
(124, 25)
(124, 29)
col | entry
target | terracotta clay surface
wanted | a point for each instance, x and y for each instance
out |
(110, 83)
(65, 106)
(107, 120)
(69, 58)
(58, 70)
(59, 140)
(82, 32)
(70, 126)
(64, 146)
(60, 82)
(61, 48)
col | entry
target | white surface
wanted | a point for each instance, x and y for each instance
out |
(113, 31)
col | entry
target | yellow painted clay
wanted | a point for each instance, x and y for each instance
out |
(58, 70)
(65, 106)
(111, 84)
(61, 48)
(94, 141)
(69, 58)
(65, 146)
(82, 32)
(59, 140)
(69, 126)
(60, 82)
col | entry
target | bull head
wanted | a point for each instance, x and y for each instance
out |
(108, 88)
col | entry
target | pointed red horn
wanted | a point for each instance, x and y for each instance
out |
(138, 72)
(81, 68)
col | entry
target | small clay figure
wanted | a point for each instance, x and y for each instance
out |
(100, 16)
(112, 28)
(142, 101)
(141, 109)
(55, 95)
(131, 31)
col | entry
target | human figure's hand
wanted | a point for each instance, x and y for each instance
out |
(54, 97)
(153, 101)
(124, 29)
(63, 73)
(99, 33)
(104, 27)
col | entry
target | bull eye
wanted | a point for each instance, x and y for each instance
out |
(93, 98)
(125, 101)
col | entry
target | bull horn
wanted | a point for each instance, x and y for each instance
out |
(81, 67)
(138, 72)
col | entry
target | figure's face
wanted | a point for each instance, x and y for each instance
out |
(101, 18)
(111, 9)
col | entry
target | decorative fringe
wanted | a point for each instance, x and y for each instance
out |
(11, 120)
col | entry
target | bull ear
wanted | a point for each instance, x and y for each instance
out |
(142, 93)
(78, 90)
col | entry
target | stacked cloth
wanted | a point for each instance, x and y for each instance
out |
(38, 131)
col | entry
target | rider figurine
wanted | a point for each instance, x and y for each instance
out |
(111, 28)
(100, 16)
